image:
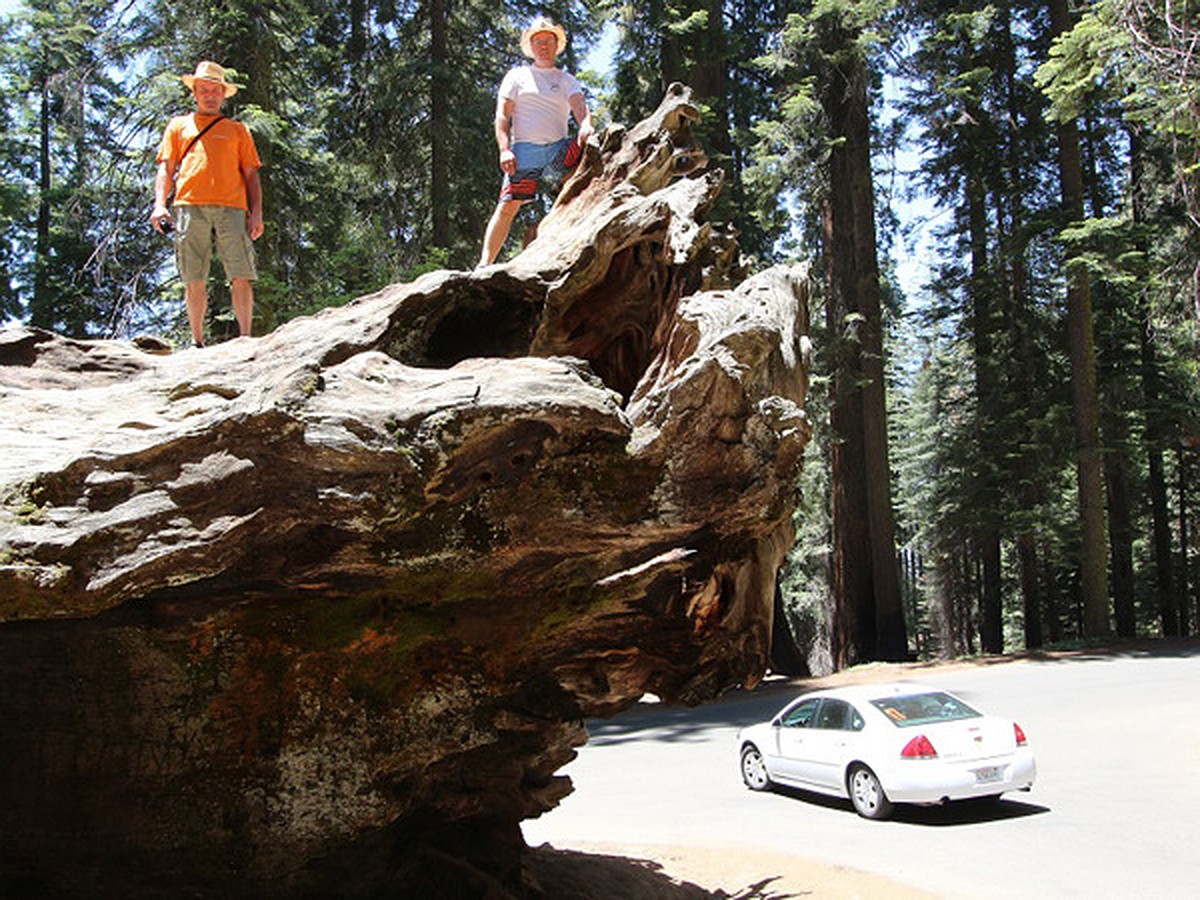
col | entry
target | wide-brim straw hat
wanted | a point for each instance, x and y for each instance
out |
(210, 71)
(537, 26)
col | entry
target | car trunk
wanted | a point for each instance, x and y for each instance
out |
(971, 739)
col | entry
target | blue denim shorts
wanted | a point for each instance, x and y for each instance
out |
(549, 163)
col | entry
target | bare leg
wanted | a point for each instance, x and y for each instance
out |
(195, 295)
(243, 304)
(497, 229)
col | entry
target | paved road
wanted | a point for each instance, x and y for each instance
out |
(1115, 812)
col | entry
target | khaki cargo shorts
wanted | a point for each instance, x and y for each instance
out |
(195, 229)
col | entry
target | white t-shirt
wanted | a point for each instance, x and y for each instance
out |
(541, 107)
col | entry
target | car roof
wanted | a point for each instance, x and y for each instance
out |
(865, 693)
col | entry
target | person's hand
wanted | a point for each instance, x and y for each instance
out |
(157, 216)
(508, 162)
(585, 132)
(254, 225)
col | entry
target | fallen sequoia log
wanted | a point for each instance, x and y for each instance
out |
(321, 613)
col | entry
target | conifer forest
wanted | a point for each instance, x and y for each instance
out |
(1000, 203)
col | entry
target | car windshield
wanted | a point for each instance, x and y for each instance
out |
(923, 709)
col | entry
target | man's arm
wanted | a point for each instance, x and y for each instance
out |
(254, 218)
(583, 116)
(162, 186)
(503, 129)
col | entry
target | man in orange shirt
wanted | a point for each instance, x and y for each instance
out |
(212, 164)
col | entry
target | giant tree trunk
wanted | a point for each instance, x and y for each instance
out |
(870, 616)
(321, 613)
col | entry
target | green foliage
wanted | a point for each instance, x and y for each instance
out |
(1137, 54)
(68, 262)
(358, 115)
(712, 46)
(1080, 60)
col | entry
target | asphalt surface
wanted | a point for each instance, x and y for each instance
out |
(1115, 812)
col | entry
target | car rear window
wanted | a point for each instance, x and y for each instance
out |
(923, 709)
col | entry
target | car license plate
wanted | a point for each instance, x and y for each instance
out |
(989, 774)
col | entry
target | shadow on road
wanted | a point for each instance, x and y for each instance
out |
(961, 812)
(968, 812)
(1147, 648)
(738, 708)
(661, 722)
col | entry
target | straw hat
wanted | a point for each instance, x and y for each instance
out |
(537, 26)
(210, 71)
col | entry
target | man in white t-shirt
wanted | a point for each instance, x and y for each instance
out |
(533, 110)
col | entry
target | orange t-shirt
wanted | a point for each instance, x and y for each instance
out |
(211, 173)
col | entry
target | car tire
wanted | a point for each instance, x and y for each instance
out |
(867, 794)
(754, 769)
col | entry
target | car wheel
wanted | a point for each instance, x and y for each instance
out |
(866, 793)
(754, 769)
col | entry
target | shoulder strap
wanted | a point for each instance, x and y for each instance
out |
(192, 142)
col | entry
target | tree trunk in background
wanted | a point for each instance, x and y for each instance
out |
(785, 653)
(709, 80)
(1165, 600)
(1114, 373)
(40, 312)
(1015, 405)
(867, 579)
(356, 46)
(1030, 591)
(1164, 578)
(439, 116)
(1181, 463)
(952, 606)
(1116, 479)
(987, 403)
(670, 57)
(853, 632)
(969, 601)
(1084, 401)
(1027, 489)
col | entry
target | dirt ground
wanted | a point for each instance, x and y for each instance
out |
(654, 872)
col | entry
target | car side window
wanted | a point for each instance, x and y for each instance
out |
(838, 715)
(832, 715)
(800, 715)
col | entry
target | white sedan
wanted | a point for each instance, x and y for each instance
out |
(883, 744)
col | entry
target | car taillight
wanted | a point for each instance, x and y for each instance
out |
(918, 748)
(1020, 735)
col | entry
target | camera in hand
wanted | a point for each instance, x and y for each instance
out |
(166, 225)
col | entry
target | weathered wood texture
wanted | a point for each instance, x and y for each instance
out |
(320, 613)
